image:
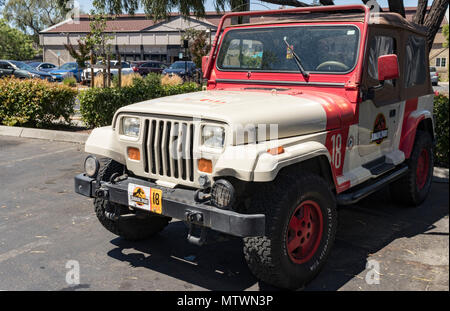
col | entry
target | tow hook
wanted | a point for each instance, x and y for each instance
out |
(195, 221)
(102, 193)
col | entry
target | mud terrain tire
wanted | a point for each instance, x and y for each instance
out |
(412, 189)
(287, 202)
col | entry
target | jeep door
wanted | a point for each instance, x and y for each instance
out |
(379, 112)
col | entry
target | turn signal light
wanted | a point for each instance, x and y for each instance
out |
(134, 154)
(275, 151)
(205, 166)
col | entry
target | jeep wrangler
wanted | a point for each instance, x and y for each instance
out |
(304, 110)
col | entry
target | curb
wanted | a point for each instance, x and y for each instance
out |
(24, 132)
(440, 175)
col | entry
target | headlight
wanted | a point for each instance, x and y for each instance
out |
(91, 166)
(213, 136)
(131, 126)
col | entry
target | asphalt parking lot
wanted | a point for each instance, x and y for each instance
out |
(44, 224)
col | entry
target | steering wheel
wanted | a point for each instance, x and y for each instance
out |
(333, 63)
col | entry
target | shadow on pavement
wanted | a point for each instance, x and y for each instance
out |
(363, 229)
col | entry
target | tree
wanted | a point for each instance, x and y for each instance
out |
(19, 46)
(159, 9)
(445, 33)
(32, 16)
(84, 50)
(198, 44)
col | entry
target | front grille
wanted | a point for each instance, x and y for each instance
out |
(169, 149)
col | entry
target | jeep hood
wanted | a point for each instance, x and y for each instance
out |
(294, 115)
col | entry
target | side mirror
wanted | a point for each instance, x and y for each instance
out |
(204, 63)
(388, 67)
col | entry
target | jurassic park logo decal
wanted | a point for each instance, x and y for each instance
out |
(380, 131)
(139, 196)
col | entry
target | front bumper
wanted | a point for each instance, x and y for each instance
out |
(179, 204)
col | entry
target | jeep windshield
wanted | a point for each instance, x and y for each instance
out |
(322, 49)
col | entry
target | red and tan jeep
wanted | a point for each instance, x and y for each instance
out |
(304, 110)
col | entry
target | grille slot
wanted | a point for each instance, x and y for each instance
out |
(169, 149)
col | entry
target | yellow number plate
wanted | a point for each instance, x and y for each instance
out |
(156, 201)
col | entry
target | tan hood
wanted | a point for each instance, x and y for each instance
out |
(295, 115)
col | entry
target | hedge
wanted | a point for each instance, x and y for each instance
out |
(441, 111)
(34, 102)
(98, 105)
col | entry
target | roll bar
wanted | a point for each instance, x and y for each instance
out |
(330, 8)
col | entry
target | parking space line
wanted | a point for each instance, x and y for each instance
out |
(37, 156)
(24, 249)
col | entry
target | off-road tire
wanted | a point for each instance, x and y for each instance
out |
(132, 229)
(406, 190)
(268, 256)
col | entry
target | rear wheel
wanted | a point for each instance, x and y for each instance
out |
(301, 222)
(413, 188)
(133, 228)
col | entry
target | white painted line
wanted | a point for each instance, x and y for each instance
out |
(37, 156)
(24, 249)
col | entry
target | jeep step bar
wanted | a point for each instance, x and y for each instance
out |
(370, 187)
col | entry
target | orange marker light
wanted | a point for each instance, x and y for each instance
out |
(275, 151)
(134, 154)
(205, 166)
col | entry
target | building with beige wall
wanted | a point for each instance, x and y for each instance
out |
(134, 37)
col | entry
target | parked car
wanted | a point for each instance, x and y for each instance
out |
(46, 67)
(67, 70)
(114, 70)
(434, 76)
(181, 68)
(146, 67)
(341, 108)
(22, 71)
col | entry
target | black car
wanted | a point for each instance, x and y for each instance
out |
(21, 70)
(146, 67)
(182, 68)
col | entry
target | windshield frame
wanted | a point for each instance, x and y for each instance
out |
(297, 71)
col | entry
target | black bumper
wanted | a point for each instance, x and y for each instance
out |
(179, 204)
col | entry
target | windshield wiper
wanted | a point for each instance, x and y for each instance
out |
(297, 60)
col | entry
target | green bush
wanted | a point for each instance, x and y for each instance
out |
(441, 108)
(70, 81)
(98, 105)
(34, 102)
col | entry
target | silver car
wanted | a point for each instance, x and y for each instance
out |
(434, 76)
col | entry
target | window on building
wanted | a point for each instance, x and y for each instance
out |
(415, 62)
(441, 61)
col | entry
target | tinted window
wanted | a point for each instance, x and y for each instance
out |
(379, 46)
(415, 62)
(320, 48)
(69, 66)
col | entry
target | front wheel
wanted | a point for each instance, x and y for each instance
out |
(301, 222)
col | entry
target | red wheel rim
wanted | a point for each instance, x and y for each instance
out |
(304, 232)
(423, 165)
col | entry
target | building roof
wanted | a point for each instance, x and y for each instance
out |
(123, 23)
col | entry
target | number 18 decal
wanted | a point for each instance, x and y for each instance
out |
(336, 140)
